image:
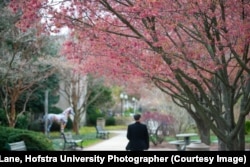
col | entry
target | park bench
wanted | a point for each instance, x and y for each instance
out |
(70, 141)
(17, 146)
(101, 133)
(181, 144)
(197, 146)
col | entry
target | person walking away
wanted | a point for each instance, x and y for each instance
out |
(137, 134)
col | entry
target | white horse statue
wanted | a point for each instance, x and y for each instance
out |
(60, 119)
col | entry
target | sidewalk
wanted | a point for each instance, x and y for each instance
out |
(117, 143)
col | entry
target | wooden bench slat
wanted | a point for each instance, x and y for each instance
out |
(17, 146)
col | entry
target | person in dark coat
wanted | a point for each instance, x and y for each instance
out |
(137, 134)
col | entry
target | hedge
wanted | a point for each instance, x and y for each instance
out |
(34, 141)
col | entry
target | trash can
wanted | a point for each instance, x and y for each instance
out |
(197, 147)
(100, 122)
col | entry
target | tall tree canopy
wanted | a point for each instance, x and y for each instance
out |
(195, 51)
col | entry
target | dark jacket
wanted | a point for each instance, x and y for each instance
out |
(137, 134)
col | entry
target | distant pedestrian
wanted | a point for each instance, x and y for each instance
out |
(137, 134)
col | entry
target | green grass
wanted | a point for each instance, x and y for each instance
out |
(247, 138)
(117, 127)
(212, 138)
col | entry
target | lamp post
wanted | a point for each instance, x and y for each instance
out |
(134, 104)
(123, 97)
(46, 112)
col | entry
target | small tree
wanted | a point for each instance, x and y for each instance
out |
(155, 119)
(20, 71)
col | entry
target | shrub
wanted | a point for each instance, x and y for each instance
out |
(33, 140)
(128, 112)
(36, 125)
(3, 119)
(110, 121)
(22, 122)
(92, 117)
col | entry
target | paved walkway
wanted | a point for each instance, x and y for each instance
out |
(116, 143)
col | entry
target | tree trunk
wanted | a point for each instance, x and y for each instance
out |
(76, 126)
(231, 142)
(12, 116)
(204, 132)
(76, 122)
(242, 137)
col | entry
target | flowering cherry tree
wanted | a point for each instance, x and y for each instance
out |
(195, 51)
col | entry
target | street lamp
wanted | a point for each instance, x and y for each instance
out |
(123, 97)
(134, 103)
